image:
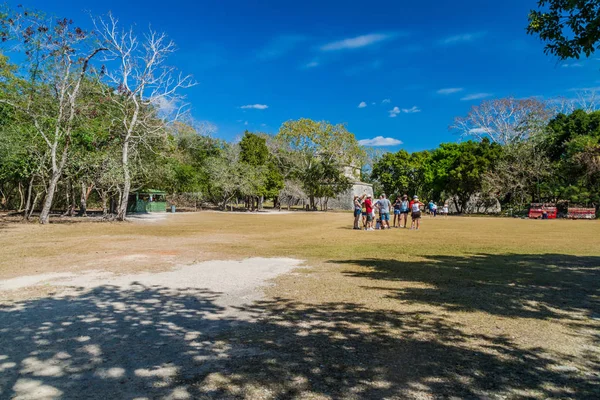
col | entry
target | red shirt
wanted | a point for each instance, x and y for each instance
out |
(368, 206)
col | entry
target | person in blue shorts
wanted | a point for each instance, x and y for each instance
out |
(397, 206)
(384, 206)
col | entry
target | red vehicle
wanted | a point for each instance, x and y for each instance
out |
(581, 213)
(542, 211)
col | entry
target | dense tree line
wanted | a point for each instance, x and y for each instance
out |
(521, 152)
(92, 115)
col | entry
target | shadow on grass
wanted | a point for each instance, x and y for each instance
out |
(158, 343)
(515, 285)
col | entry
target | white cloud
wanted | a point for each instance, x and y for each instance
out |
(574, 65)
(412, 110)
(356, 42)
(255, 106)
(462, 38)
(449, 90)
(362, 104)
(246, 123)
(476, 96)
(475, 131)
(379, 141)
(311, 64)
(263, 125)
(394, 112)
(386, 101)
(166, 106)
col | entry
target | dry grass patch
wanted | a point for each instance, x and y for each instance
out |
(466, 307)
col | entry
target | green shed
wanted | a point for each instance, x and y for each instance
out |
(145, 201)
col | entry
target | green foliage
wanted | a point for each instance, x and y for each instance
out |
(318, 153)
(570, 28)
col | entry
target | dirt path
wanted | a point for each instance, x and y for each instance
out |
(125, 335)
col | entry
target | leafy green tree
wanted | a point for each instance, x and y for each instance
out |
(316, 146)
(403, 173)
(458, 168)
(568, 27)
(573, 146)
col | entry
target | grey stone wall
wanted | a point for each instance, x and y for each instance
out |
(345, 200)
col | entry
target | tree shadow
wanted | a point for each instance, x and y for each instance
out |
(157, 342)
(515, 285)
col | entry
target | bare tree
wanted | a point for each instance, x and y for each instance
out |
(58, 56)
(140, 81)
(505, 121)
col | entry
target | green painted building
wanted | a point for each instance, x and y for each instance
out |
(146, 201)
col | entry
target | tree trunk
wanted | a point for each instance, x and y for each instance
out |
(85, 194)
(122, 212)
(37, 195)
(104, 200)
(45, 213)
(21, 197)
(28, 201)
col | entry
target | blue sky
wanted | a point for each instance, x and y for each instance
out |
(398, 70)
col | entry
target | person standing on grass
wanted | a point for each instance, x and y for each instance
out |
(369, 210)
(404, 209)
(415, 208)
(434, 209)
(397, 206)
(357, 211)
(445, 210)
(384, 211)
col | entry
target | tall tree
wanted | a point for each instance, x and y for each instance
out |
(57, 59)
(140, 82)
(316, 145)
(504, 121)
(568, 27)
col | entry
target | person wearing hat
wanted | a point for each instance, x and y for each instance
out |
(357, 210)
(369, 210)
(415, 208)
(404, 209)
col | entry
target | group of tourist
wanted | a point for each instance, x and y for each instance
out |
(376, 214)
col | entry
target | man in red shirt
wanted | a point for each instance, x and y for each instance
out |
(369, 210)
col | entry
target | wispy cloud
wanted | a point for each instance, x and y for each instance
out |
(386, 101)
(412, 110)
(362, 104)
(475, 131)
(449, 90)
(476, 96)
(462, 38)
(379, 141)
(574, 65)
(280, 46)
(394, 112)
(246, 123)
(358, 41)
(255, 106)
(311, 64)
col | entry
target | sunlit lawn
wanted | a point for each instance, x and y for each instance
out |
(465, 307)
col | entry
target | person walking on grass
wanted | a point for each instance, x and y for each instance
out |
(369, 209)
(397, 206)
(415, 208)
(384, 212)
(404, 209)
(357, 211)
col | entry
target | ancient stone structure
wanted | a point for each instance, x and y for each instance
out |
(345, 200)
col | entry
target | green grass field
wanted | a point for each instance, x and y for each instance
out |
(465, 307)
